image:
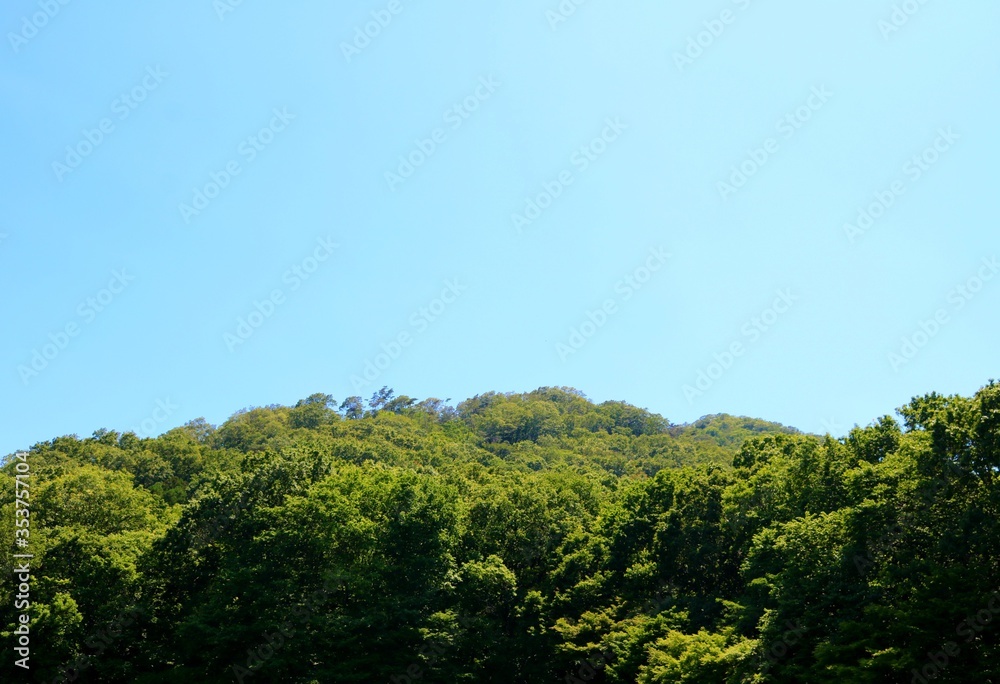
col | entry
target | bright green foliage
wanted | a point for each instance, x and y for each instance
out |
(522, 538)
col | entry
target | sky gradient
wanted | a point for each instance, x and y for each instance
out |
(773, 209)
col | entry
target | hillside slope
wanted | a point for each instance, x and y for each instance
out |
(513, 538)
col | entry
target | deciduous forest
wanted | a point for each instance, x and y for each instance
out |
(527, 538)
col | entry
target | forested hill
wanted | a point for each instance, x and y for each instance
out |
(524, 538)
(728, 431)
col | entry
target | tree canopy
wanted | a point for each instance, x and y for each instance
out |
(535, 537)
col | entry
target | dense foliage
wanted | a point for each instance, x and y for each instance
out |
(515, 538)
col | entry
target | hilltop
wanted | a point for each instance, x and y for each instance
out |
(526, 537)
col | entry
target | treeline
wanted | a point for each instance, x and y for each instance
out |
(527, 538)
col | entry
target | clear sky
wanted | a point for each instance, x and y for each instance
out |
(655, 202)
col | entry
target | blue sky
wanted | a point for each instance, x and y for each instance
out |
(211, 206)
